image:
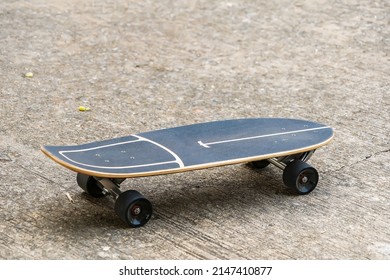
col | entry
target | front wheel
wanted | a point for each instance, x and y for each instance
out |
(133, 208)
(300, 177)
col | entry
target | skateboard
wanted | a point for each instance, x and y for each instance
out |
(103, 165)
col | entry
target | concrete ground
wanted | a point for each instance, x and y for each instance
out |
(144, 65)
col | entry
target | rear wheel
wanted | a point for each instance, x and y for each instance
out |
(260, 164)
(300, 177)
(90, 185)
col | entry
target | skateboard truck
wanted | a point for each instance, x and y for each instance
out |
(131, 206)
(109, 187)
(281, 163)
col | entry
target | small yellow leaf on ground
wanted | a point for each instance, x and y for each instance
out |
(83, 108)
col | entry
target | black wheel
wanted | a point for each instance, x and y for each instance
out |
(133, 208)
(300, 177)
(260, 164)
(90, 185)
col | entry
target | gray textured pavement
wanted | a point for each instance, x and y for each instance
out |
(144, 65)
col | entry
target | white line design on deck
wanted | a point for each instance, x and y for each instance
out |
(207, 145)
(140, 138)
(178, 159)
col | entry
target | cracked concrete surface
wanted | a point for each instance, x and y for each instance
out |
(145, 65)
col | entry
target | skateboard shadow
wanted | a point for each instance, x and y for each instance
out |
(217, 192)
(190, 197)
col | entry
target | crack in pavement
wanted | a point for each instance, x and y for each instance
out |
(358, 162)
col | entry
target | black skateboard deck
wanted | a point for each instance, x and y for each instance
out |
(283, 142)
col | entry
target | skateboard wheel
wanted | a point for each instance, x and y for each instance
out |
(260, 164)
(300, 177)
(89, 185)
(133, 208)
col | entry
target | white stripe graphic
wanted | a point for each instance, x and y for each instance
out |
(100, 147)
(177, 158)
(207, 145)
